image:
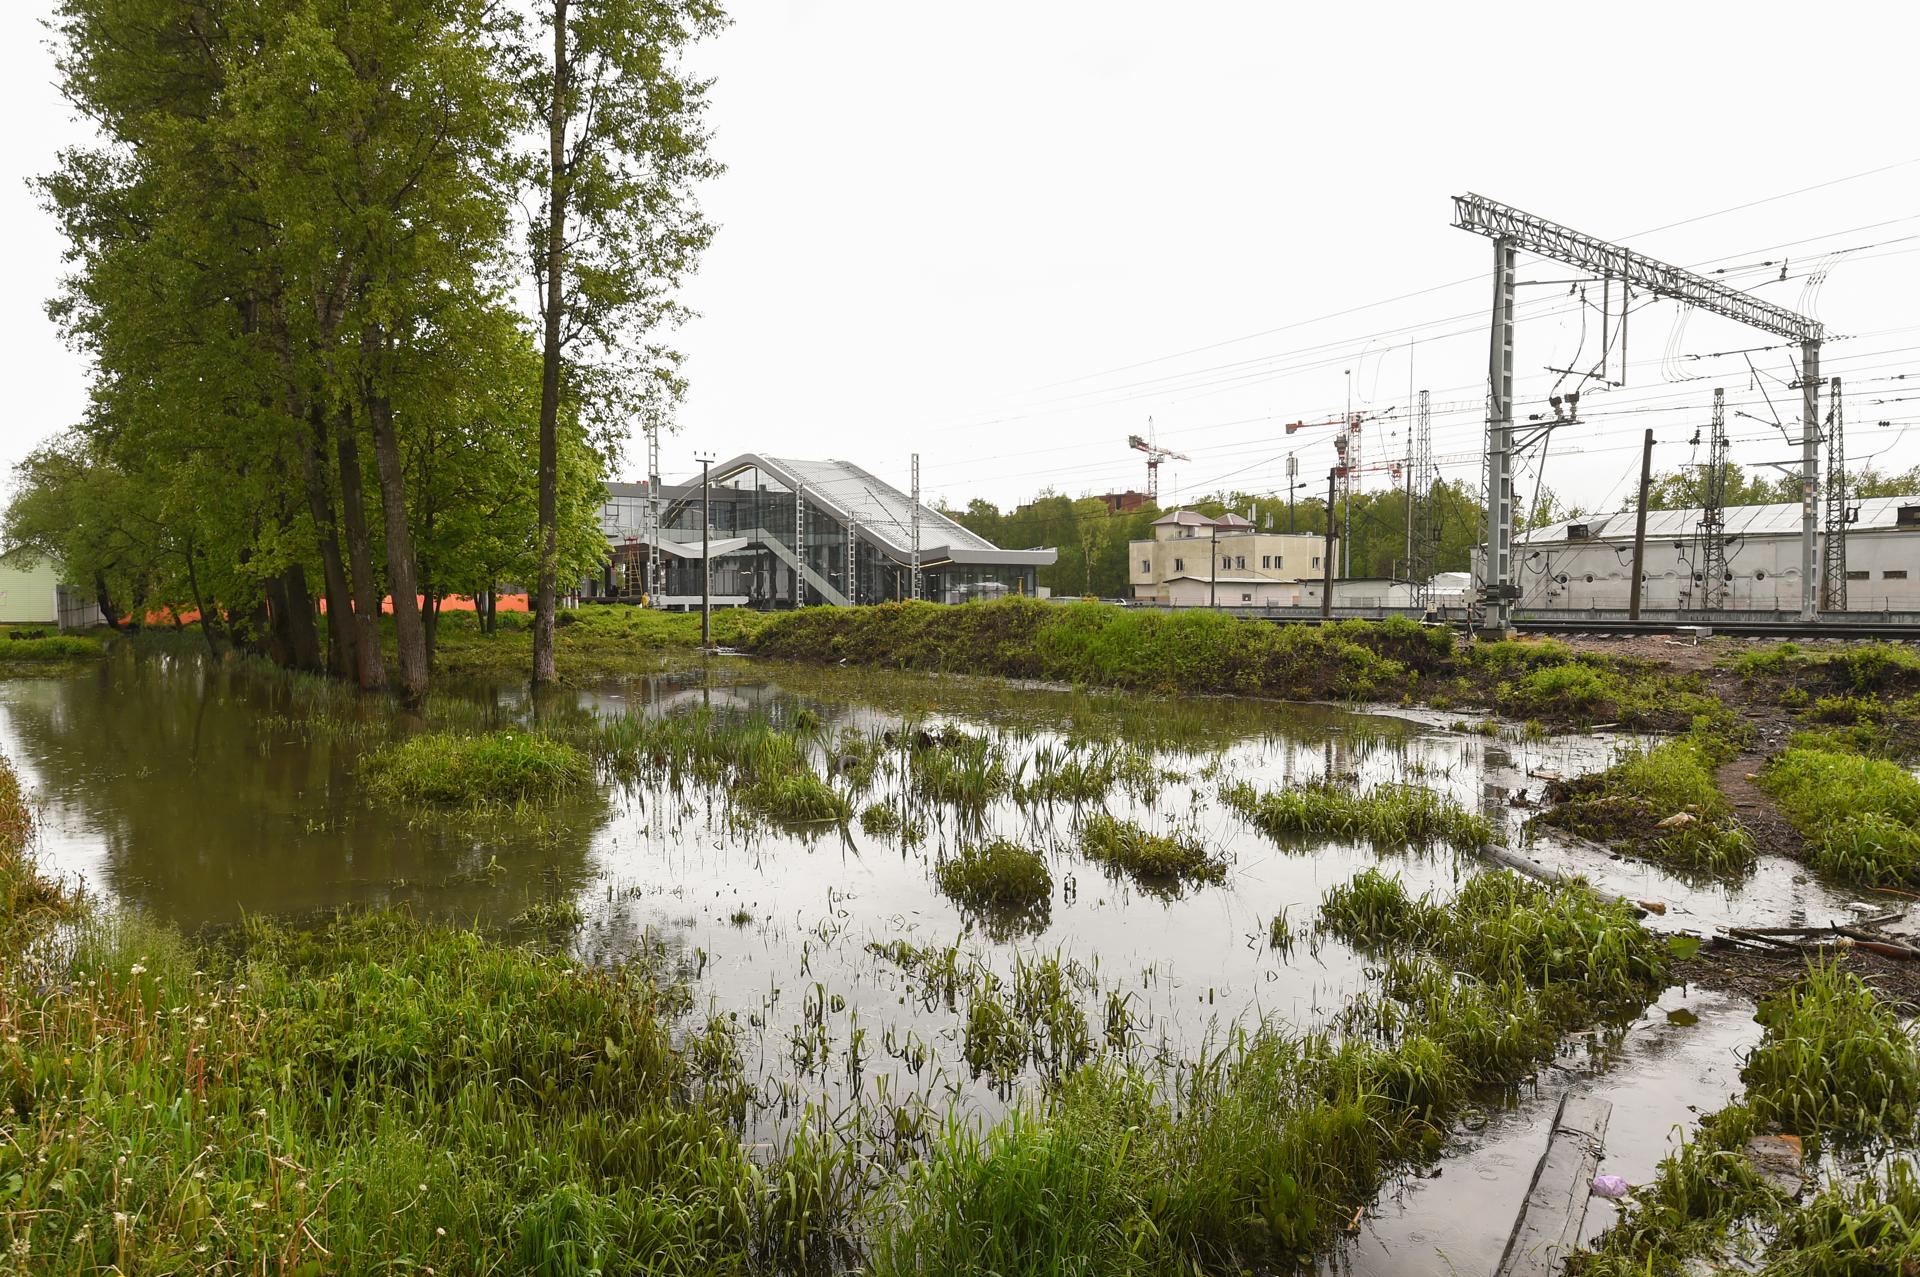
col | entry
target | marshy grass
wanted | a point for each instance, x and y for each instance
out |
(798, 797)
(1624, 806)
(1834, 1058)
(1860, 815)
(957, 767)
(1592, 954)
(1163, 862)
(1010, 887)
(1388, 815)
(1836, 1065)
(498, 769)
(1088, 772)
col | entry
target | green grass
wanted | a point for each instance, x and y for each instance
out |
(1835, 1058)
(1591, 954)
(798, 798)
(590, 642)
(1624, 805)
(1388, 815)
(1162, 861)
(497, 769)
(1835, 1065)
(52, 648)
(999, 879)
(1093, 644)
(1860, 815)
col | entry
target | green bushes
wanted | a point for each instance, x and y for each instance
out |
(1165, 862)
(1626, 804)
(497, 769)
(1860, 815)
(1388, 815)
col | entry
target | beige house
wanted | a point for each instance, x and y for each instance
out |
(1195, 561)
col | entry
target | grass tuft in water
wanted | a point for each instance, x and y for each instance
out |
(1387, 815)
(1166, 862)
(496, 769)
(1834, 1058)
(1000, 880)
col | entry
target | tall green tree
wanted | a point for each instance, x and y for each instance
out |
(617, 228)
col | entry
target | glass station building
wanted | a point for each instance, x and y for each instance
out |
(790, 533)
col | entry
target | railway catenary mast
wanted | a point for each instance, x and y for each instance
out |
(1512, 231)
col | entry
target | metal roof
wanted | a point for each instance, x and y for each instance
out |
(1190, 518)
(1876, 514)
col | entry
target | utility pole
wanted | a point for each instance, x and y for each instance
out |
(1809, 476)
(706, 565)
(1640, 528)
(1293, 475)
(1511, 228)
(1833, 594)
(1498, 589)
(1326, 554)
(1713, 515)
(1213, 568)
(913, 567)
(1351, 456)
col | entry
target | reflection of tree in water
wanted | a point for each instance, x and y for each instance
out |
(208, 809)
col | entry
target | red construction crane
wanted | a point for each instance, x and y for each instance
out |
(1155, 455)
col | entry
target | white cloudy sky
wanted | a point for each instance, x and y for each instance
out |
(1006, 234)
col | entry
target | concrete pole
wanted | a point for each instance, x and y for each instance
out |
(1809, 479)
(1326, 554)
(706, 564)
(1640, 528)
(1496, 615)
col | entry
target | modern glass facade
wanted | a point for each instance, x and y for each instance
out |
(794, 533)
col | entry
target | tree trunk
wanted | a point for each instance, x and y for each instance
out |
(430, 599)
(409, 634)
(557, 191)
(105, 600)
(209, 623)
(279, 627)
(313, 457)
(369, 664)
(302, 634)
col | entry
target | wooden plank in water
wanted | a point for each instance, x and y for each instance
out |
(1548, 1229)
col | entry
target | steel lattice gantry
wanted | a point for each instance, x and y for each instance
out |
(1513, 230)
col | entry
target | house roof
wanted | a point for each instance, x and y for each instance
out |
(1876, 514)
(1232, 520)
(1184, 518)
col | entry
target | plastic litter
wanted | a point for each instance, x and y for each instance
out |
(1610, 1186)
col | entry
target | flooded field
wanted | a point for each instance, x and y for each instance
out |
(865, 984)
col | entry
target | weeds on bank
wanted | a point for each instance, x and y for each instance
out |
(1662, 804)
(1388, 815)
(497, 769)
(1860, 815)
(1834, 1064)
(1160, 862)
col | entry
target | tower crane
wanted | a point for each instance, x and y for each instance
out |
(1347, 445)
(1155, 455)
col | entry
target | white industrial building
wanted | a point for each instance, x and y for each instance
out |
(1587, 562)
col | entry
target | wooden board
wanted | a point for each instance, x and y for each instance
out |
(1548, 1229)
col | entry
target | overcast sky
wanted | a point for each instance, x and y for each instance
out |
(1006, 234)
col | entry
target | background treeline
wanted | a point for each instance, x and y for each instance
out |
(1093, 541)
(296, 252)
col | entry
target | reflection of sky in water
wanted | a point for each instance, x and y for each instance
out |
(177, 790)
